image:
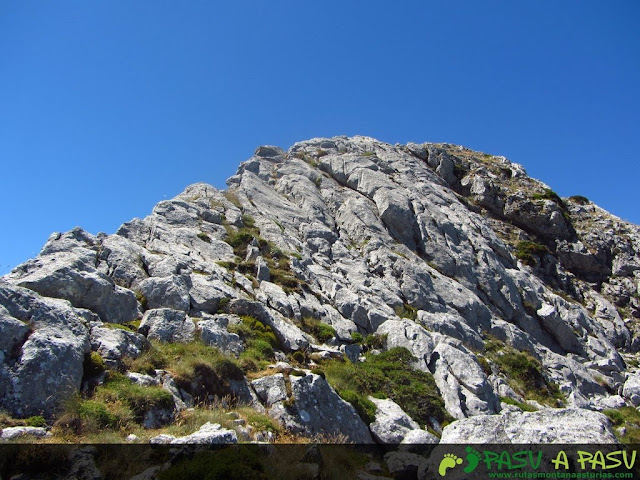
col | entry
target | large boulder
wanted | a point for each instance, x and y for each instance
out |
(68, 276)
(165, 292)
(208, 434)
(39, 374)
(167, 325)
(312, 408)
(391, 424)
(631, 389)
(462, 382)
(213, 331)
(114, 344)
(545, 426)
(410, 335)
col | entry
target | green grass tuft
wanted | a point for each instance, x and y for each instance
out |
(388, 374)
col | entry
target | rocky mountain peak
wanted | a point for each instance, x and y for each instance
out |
(504, 295)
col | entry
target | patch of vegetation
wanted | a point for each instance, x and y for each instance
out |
(119, 389)
(7, 421)
(199, 369)
(580, 200)
(227, 265)
(142, 300)
(548, 194)
(357, 337)
(320, 330)
(231, 462)
(279, 265)
(306, 158)
(407, 311)
(260, 421)
(260, 340)
(525, 407)
(93, 365)
(204, 237)
(117, 404)
(523, 373)
(629, 418)
(526, 251)
(248, 221)
(127, 327)
(240, 240)
(321, 153)
(233, 198)
(387, 374)
(365, 408)
(223, 304)
(374, 341)
(280, 226)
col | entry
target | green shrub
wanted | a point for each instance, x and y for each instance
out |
(253, 329)
(523, 373)
(357, 337)
(548, 194)
(260, 341)
(96, 413)
(299, 357)
(235, 462)
(248, 221)
(233, 198)
(80, 416)
(525, 407)
(407, 311)
(321, 331)
(629, 418)
(204, 237)
(365, 408)
(93, 365)
(140, 399)
(240, 240)
(142, 300)
(228, 265)
(35, 421)
(131, 326)
(197, 368)
(580, 200)
(223, 304)
(526, 251)
(374, 341)
(389, 374)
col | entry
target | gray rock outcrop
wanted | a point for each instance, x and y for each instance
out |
(391, 425)
(545, 426)
(357, 246)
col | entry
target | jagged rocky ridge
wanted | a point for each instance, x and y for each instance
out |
(479, 271)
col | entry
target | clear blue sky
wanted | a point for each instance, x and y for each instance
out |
(108, 107)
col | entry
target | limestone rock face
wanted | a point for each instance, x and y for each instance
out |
(115, 344)
(167, 325)
(45, 364)
(312, 408)
(392, 425)
(545, 426)
(347, 245)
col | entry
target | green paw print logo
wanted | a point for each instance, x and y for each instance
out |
(452, 461)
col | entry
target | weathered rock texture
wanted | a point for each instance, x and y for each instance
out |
(437, 248)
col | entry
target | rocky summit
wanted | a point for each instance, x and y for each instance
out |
(342, 290)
